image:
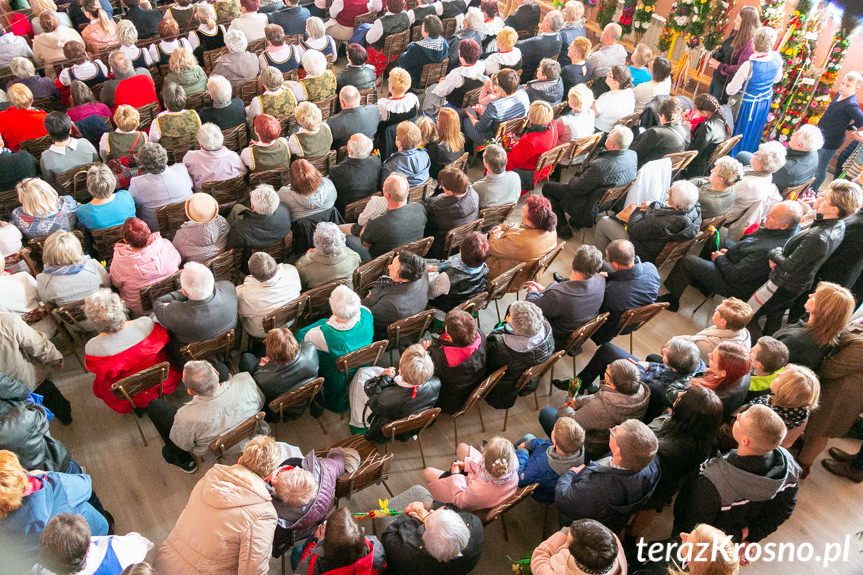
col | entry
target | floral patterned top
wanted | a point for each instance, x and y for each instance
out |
(38, 226)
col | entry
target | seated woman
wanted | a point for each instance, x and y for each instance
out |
(357, 72)
(329, 260)
(578, 122)
(184, 70)
(540, 135)
(277, 99)
(169, 32)
(459, 360)
(42, 211)
(101, 32)
(511, 244)
(316, 39)
(524, 340)
(314, 138)
(309, 193)
(205, 234)
(467, 76)
(286, 366)
(127, 36)
(387, 397)
(401, 105)
(652, 225)
(447, 142)
(507, 56)
(122, 348)
(476, 480)
(456, 206)
(159, 184)
(213, 162)
(339, 544)
(24, 72)
(48, 46)
(547, 86)
(226, 112)
(91, 72)
(491, 26)
(270, 151)
(350, 327)
(727, 375)
(579, 70)
(107, 208)
(183, 13)
(431, 49)
(618, 102)
(319, 82)
(278, 53)
(395, 20)
(175, 123)
(20, 121)
(713, 129)
(462, 276)
(126, 138)
(251, 22)
(209, 35)
(21, 296)
(756, 193)
(716, 192)
(84, 103)
(68, 275)
(139, 260)
(410, 159)
(237, 64)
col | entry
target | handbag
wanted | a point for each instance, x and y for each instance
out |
(125, 167)
(736, 101)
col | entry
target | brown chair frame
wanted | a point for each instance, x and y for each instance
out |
(475, 398)
(459, 163)
(680, 161)
(171, 218)
(324, 162)
(550, 158)
(354, 209)
(246, 429)
(722, 149)
(290, 312)
(357, 358)
(319, 301)
(227, 193)
(499, 286)
(578, 338)
(418, 247)
(432, 73)
(637, 317)
(155, 290)
(69, 181)
(455, 236)
(489, 515)
(612, 195)
(215, 346)
(37, 145)
(298, 397)
(416, 324)
(134, 384)
(630, 121)
(370, 271)
(516, 126)
(496, 215)
(792, 192)
(717, 222)
(104, 241)
(417, 422)
(538, 370)
(225, 266)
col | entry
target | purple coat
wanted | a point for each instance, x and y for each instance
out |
(326, 471)
(738, 57)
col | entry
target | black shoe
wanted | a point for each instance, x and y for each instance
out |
(139, 412)
(189, 466)
(564, 233)
(674, 303)
(562, 384)
(558, 278)
(840, 455)
(588, 389)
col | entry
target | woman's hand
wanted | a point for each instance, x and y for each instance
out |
(713, 63)
(264, 361)
(456, 467)
(390, 371)
(431, 268)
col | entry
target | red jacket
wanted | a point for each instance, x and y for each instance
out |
(351, 8)
(19, 125)
(136, 91)
(529, 147)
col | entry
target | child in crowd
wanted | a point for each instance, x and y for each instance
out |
(542, 461)
(768, 357)
(640, 57)
(729, 324)
(428, 130)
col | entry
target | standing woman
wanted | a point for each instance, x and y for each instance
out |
(755, 78)
(101, 32)
(735, 50)
(573, 27)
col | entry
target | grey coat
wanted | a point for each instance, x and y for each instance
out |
(63, 288)
(198, 320)
(316, 269)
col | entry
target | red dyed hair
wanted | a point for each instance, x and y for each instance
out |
(136, 232)
(733, 360)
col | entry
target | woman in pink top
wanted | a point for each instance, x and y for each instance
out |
(84, 103)
(101, 32)
(140, 260)
(477, 480)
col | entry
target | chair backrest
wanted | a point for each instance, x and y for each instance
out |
(459, 163)
(536, 269)
(550, 158)
(418, 193)
(367, 18)
(396, 43)
(673, 251)
(482, 390)
(246, 91)
(474, 304)
(227, 192)
(582, 147)
(286, 314)
(471, 97)
(612, 195)
(717, 221)
(281, 250)
(178, 148)
(415, 325)
(149, 294)
(418, 247)
(496, 214)
(680, 160)
(559, 109)
(248, 428)
(147, 112)
(489, 515)
(225, 266)
(277, 178)
(171, 218)
(219, 346)
(236, 138)
(449, 26)
(74, 183)
(71, 314)
(633, 319)
(793, 192)
(318, 305)
(371, 271)
(577, 338)
(324, 162)
(327, 106)
(369, 354)
(132, 385)
(297, 397)
(8, 202)
(354, 209)
(415, 422)
(257, 46)
(373, 470)
(37, 145)
(631, 120)
(723, 148)
(456, 235)
(432, 73)
(538, 370)
(500, 285)
(104, 240)
(368, 96)
(210, 57)
(515, 126)
(196, 101)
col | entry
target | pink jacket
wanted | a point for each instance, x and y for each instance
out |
(477, 489)
(552, 557)
(131, 270)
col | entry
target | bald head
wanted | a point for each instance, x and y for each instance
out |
(349, 97)
(783, 216)
(396, 188)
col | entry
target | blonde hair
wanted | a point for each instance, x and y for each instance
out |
(449, 130)
(127, 118)
(428, 130)
(399, 82)
(415, 365)
(37, 197)
(540, 113)
(181, 59)
(39, 6)
(568, 435)
(94, 7)
(296, 487)
(834, 306)
(641, 55)
(13, 482)
(127, 34)
(308, 116)
(498, 456)
(736, 313)
(506, 39)
(724, 561)
(575, 99)
(205, 14)
(764, 427)
(796, 386)
(62, 249)
(408, 134)
(583, 45)
(846, 196)
(20, 96)
(262, 455)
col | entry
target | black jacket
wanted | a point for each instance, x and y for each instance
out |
(254, 230)
(389, 401)
(659, 141)
(457, 381)
(275, 378)
(651, 229)
(499, 354)
(360, 77)
(440, 156)
(745, 265)
(146, 21)
(625, 290)
(802, 256)
(705, 137)
(525, 17)
(463, 285)
(407, 555)
(15, 167)
(416, 56)
(533, 50)
(292, 19)
(303, 229)
(230, 116)
(799, 168)
(607, 170)
(846, 263)
(396, 301)
(679, 454)
(355, 179)
(360, 120)
(446, 212)
(24, 430)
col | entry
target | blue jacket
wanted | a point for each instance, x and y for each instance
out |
(606, 494)
(533, 467)
(417, 55)
(659, 377)
(292, 19)
(624, 290)
(413, 163)
(568, 33)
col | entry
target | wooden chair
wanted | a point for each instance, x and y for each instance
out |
(22, 255)
(415, 325)
(227, 192)
(525, 34)
(371, 271)
(630, 121)
(418, 247)
(280, 251)
(531, 373)
(130, 386)
(257, 46)
(367, 18)
(210, 57)
(499, 285)
(324, 162)
(104, 240)
(368, 96)
(449, 26)
(70, 181)
(456, 236)
(471, 97)
(475, 398)
(236, 138)
(680, 161)
(536, 269)
(582, 147)
(550, 159)
(514, 126)
(723, 148)
(418, 193)
(225, 266)
(327, 106)
(247, 429)
(37, 145)
(432, 73)
(611, 196)
(8, 203)
(673, 251)
(495, 215)
(246, 91)
(219, 347)
(354, 209)
(277, 178)
(196, 101)
(149, 294)
(318, 305)
(474, 305)
(415, 423)
(717, 222)
(178, 148)
(559, 109)
(367, 355)
(302, 396)
(294, 39)
(170, 218)
(489, 515)
(633, 319)
(459, 164)
(374, 470)
(578, 338)
(286, 314)
(147, 112)
(395, 44)
(792, 192)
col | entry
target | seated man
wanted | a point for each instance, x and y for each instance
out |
(66, 153)
(498, 187)
(569, 304)
(542, 461)
(268, 287)
(507, 106)
(202, 309)
(612, 489)
(608, 54)
(545, 45)
(629, 284)
(456, 206)
(430, 50)
(267, 222)
(729, 324)
(292, 18)
(748, 492)
(401, 293)
(215, 408)
(617, 166)
(669, 137)
(353, 119)
(356, 177)
(130, 86)
(16, 167)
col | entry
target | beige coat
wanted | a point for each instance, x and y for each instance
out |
(48, 46)
(24, 352)
(552, 557)
(509, 245)
(226, 528)
(841, 388)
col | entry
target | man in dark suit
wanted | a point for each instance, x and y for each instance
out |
(292, 18)
(353, 119)
(670, 137)
(617, 166)
(546, 45)
(801, 159)
(526, 16)
(507, 107)
(356, 177)
(146, 21)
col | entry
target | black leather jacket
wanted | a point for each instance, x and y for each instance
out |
(802, 256)
(275, 378)
(389, 401)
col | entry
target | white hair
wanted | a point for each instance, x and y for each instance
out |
(236, 41)
(314, 63)
(684, 194)
(809, 137)
(315, 27)
(220, 90)
(614, 30)
(197, 281)
(445, 535)
(264, 200)
(473, 19)
(621, 136)
(329, 239)
(772, 156)
(360, 146)
(349, 95)
(764, 39)
(554, 19)
(210, 137)
(345, 303)
(200, 377)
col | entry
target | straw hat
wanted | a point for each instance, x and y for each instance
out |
(202, 208)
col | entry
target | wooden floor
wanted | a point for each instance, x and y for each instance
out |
(146, 495)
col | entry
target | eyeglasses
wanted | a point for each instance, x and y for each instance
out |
(611, 432)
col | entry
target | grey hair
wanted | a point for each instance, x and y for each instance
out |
(152, 159)
(772, 155)
(22, 67)
(197, 281)
(621, 136)
(810, 137)
(329, 239)
(315, 27)
(764, 39)
(525, 318)
(236, 41)
(345, 303)
(174, 97)
(360, 146)
(271, 78)
(210, 137)
(101, 181)
(314, 63)
(120, 62)
(683, 355)
(855, 76)
(473, 19)
(220, 91)
(625, 376)
(264, 199)
(554, 19)
(684, 194)
(200, 377)
(614, 30)
(105, 310)
(350, 95)
(262, 266)
(445, 535)
(638, 444)
(729, 170)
